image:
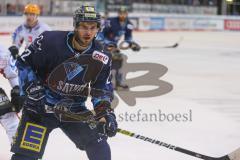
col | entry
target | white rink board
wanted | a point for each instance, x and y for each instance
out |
(205, 73)
(141, 22)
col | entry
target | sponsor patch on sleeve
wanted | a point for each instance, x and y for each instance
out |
(100, 57)
(130, 26)
(33, 137)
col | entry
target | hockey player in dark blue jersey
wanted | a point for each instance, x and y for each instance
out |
(119, 26)
(59, 68)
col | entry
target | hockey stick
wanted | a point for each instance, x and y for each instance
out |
(175, 148)
(87, 116)
(124, 45)
(175, 45)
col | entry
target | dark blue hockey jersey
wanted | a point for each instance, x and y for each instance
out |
(113, 33)
(66, 73)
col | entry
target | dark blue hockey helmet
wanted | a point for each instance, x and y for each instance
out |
(86, 14)
(123, 9)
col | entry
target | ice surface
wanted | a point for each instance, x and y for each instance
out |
(205, 73)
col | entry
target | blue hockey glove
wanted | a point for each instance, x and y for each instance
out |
(134, 46)
(35, 98)
(124, 45)
(108, 128)
(111, 46)
(14, 51)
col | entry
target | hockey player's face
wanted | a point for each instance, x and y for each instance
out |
(86, 32)
(31, 19)
(122, 16)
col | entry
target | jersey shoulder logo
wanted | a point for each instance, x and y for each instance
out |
(130, 26)
(100, 57)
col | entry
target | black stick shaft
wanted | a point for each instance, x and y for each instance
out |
(169, 146)
(170, 46)
(156, 47)
(147, 139)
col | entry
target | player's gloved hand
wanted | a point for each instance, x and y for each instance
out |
(111, 47)
(107, 119)
(16, 99)
(134, 46)
(5, 104)
(109, 127)
(35, 98)
(14, 51)
(124, 45)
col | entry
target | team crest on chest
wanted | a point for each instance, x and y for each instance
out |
(72, 69)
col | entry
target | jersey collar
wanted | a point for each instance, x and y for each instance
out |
(69, 35)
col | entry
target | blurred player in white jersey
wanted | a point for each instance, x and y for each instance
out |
(8, 109)
(29, 30)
